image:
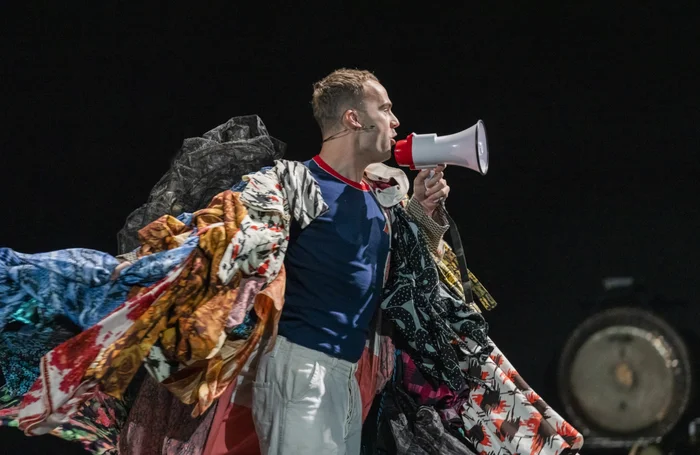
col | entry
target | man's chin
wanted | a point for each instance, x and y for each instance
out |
(381, 157)
(384, 156)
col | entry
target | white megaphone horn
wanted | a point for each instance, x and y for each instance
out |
(467, 148)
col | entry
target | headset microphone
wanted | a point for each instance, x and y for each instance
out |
(362, 128)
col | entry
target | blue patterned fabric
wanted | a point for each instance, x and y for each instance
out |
(38, 289)
(75, 283)
(20, 350)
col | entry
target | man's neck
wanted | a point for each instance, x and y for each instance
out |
(343, 161)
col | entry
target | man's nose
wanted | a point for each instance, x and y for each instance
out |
(395, 122)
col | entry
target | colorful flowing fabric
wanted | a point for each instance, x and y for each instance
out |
(202, 383)
(505, 416)
(95, 425)
(501, 414)
(60, 389)
(446, 401)
(204, 167)
(202, 278)
(409, 425)
(23, 342)
(160, 424)
(499, 411)
(30, 335)
(441, 329)
(188, 317)
(272, 199)
(73, 283)
(187, 311)
(38, 292)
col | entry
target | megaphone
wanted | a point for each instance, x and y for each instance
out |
(467, 148)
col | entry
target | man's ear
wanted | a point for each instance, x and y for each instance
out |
(350, 120)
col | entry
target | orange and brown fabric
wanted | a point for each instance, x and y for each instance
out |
(188, 320)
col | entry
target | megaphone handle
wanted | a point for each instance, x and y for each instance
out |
(461, 259)
(425, 182)
(430, 176)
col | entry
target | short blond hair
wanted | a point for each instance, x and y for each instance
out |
(340, 90)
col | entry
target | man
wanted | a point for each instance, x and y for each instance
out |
(306, 397)
(187, 322)
(335, 272)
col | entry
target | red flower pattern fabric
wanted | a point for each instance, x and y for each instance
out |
(504, 416)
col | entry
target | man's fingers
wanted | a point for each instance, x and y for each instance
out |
(438, 186)
(422, 175)
(440, 195)
(433, 183)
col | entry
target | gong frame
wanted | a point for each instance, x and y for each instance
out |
(597, 436)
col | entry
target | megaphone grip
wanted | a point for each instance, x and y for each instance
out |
(430, 176)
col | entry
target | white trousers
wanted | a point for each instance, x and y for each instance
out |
(306, 402)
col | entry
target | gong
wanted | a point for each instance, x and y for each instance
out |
(625, 374)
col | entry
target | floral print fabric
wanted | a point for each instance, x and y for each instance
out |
(187, 310)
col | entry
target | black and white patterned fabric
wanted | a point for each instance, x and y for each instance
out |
(273, 198)
(444, 334)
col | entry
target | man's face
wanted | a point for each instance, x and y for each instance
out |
(376, 143)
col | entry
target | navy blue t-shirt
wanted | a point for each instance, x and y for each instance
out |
(335, 268)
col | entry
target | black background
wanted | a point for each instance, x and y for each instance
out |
(592, 116)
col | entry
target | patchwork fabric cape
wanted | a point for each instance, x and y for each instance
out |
(204, 293)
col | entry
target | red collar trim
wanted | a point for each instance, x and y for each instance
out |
(362, 186)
